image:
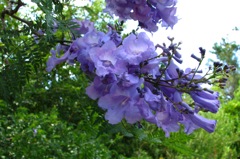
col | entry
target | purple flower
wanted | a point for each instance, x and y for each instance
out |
(141, 12)
(167, 15)
(53, 60)
(154, 100)
(121, 103)
(121, 8)
(167, 90)
(87, 65)
(207, 95)
(168, 118)
(195, 121)
(152, 66)
(190, 72)
(196, 58)
(91, 40)
(202, 100)
(137, 48)
(127, 80)
(84, 26)
(105, 59)
(114, 36)
(147, 13)
(171, 70)
(131, 81)
(145, 111)
(149, 25)
(74, 51)
(156, 109)
(101, 86)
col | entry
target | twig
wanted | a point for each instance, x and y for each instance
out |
(11, 12)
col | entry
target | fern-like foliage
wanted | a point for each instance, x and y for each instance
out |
(20, 59)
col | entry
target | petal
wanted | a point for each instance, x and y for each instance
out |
(209, 104)
(132, 114)
(206, 124)
(114, 116)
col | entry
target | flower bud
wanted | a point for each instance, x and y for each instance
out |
(196, 58)
(170, 38)
(217, 64)
(219, 69)
(202, 51)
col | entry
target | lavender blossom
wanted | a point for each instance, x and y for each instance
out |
(167, 13)
(132, 81)
(101, 86)
(203, 101)
(120, 103)
(105, 59)
(137, 48)
(53, 60)
(147, 13)
(195, 121)
(168, 118)
(84, 26)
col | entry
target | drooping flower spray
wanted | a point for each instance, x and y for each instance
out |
(134, 82)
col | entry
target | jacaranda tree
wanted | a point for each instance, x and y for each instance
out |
(103, 89)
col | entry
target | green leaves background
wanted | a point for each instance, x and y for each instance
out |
(48, 115)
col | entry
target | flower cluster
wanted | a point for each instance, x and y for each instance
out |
(134, 82)
(147, 12)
